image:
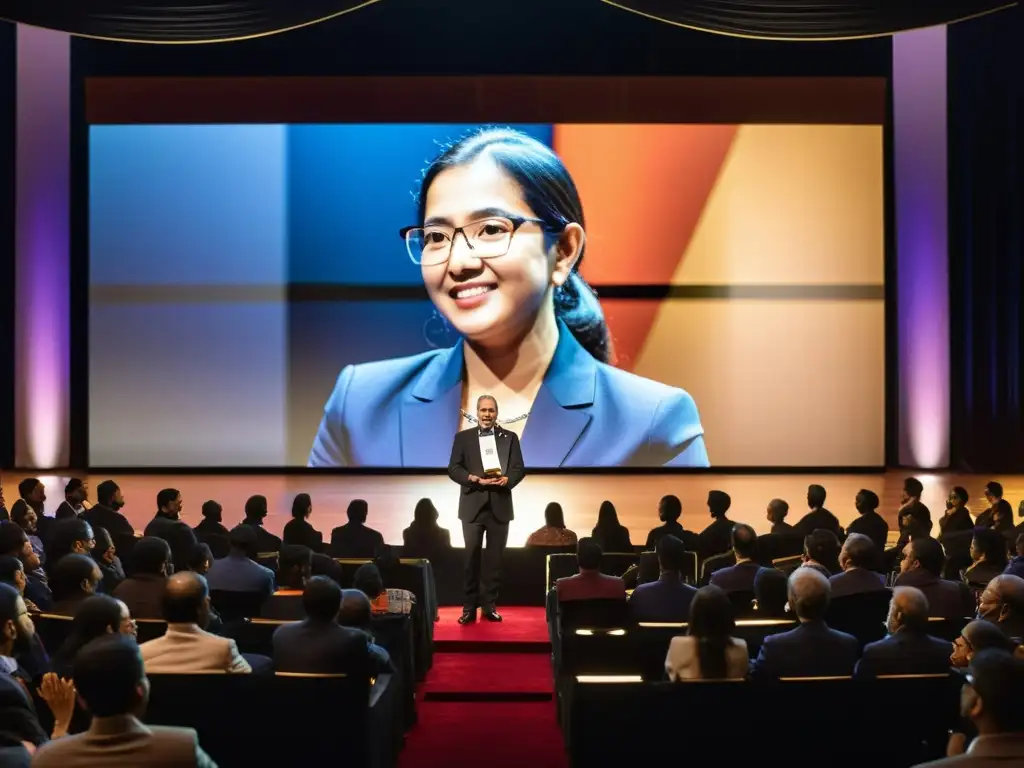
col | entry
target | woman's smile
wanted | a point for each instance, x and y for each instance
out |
(472, 295)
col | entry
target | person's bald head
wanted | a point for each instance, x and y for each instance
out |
(355, 609)
(1002, 599)
(744, 541)
(908, 610)
(809, 594)
(187, 599)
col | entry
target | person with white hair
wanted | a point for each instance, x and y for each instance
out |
(909, 649)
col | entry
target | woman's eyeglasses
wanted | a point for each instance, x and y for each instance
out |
(488, 238)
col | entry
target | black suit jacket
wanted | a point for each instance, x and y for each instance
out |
(689, 538)
(65, 512)
(177, 534)
(317, 648)
(265, 540)
(113, 521)
(465, 461)
(946, 599)
(872, 525)
(810, 650)
(905, 653)
(819, 519)
(355, 540)
(715, 539)
(298, 531)
(855, 582)
(736, 578)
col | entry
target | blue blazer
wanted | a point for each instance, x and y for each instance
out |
(405, 413)
(810, 650)
(905, 653)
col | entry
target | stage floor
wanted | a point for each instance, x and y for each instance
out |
(392, 499)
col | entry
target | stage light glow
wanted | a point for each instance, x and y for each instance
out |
(922, 258)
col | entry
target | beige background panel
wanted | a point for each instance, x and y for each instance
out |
(778, 383)
(793, 204)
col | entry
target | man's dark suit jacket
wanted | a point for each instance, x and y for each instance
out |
(265, 540)
(284, 605)
(872, 525)
(689, 538)
(946, 599)
(662, 600)
(905, 653)
(716, 538)
(588, 585)
(18, 713)
(819, 519)
(425, 541)
(355, 540)
(209, 528)
(810, 650)
(783, 541)
(299, 531)
(959, 519)
(113, 521)
(318, 648)
(65, 512)
(144, 595)
(985, 519)
(466, 461)
(736, 578)
(856, 581)
(177, 534)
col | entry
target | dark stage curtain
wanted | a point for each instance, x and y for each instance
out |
(986, 95)
(806, 20)
(207, 21)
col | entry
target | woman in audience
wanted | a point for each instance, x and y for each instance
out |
(424, 537)
(988, 553)
(771, 594)
(298, 530)
(553, 533)
(976, 637)
(25, 517)
(96, 616)
(608, 533)
(708, 651)
(75, 578)
(105, 555)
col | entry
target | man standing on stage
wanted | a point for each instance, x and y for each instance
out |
(488, 463)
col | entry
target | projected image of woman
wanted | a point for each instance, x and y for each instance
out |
(499, 241)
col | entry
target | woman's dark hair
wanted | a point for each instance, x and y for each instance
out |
(992, 545)
(712, 624)
(553, 516)
(95, 616)
(301, 505)
(551, 194)
(607, 517)
(425, 513)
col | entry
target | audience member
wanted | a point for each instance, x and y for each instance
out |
(148, 566)
(1016, 566)
(21, 653)
(424, 537)
(294, 569)
(25, 518)
(12, 571)
(368, 580)
(200, 559)
(15, 543)
(167, 525)
(355, 539)
(106, 513)
(988, 556)
(956, 517)
(717, 537)
(812, 649)
(739, 577)
(667, 599)
(32, 493)
(553, 533)
(356, 613)
(821, 550)
(783, 540)
(976, 637)
(922, 568)
(187, 648)
(319, 644)
(858, 558)
(212, 523)
(915, 521)
(589, 583)
(75, 578)
(20, 723)
(239, 571)
(708, 651)
(70, 536)
(255, 513)
(994, 497)
(298, 530)
(96, 616)
(869, 523)
(112, 685)
(105, 555)
(991, 700)
(771, 594)
(75, 493)
(909, 649)
(1002, 602)
(4, 514)
(818, 518)
(776, 514)
(670, 509)
(609, 534)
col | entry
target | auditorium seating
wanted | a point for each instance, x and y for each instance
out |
(690, 573)
(715, 563)
(861, 615)
(834, 721)
(564, 564)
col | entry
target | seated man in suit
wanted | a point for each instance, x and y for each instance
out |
(921, 567)
(818, 518)
(105, 514)
(783, 540)
(319, 644)
(75, 578)
(75, 494)
(739, 577)
(668, 598)
(991, 700)
(670, 509)
(187, 648)
(589, 583)
(143, 590)
(357, 613)
(869, 523)
(112, 685)
(355, 539)
(821, 551)
(294, 568)
(812, 649)
(717, 537)
(858, 557)
(168, 525)
(1002, 603)
(239, 571)
(909, 649)
(256, 511)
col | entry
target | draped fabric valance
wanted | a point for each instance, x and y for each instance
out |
(809, 19)
(200, 21)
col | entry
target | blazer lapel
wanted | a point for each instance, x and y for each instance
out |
(504, 444)
(561, 412)
(430, 414)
